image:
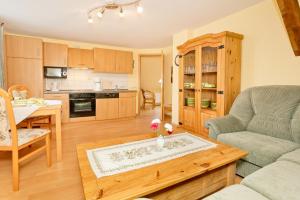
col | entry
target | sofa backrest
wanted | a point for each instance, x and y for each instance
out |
(270, 110)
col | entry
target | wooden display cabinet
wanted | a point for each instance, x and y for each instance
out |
(209, 72)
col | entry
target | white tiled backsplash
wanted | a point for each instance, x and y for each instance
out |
(80, 79)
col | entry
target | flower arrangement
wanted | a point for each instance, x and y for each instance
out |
(160, 137)
(169, 128)
(155, 124)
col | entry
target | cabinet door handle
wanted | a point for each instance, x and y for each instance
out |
(220, 92)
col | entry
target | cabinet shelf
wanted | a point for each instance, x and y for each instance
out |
(210, 89)
(189, 107)
(213, 72)
(190, 74)
(208, 111)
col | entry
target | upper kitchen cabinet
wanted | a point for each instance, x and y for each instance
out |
(105, 60)
(124, 62)
(27, 72)
(82, 58)
(23, 47)
(113, 61)
(55, 55)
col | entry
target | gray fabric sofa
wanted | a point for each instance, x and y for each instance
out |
(276, 181)
(265, 122)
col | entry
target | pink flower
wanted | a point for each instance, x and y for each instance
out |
(154, 126)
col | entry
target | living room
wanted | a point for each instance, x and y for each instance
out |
(220, 122)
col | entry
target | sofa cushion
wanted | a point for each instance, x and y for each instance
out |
(293, 156)
(277, 181)
(236, 192)
(262, 150)
(274, 108)
(244, 168)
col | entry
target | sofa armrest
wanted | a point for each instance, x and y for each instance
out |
(226, 124)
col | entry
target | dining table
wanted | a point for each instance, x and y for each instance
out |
(50, 107)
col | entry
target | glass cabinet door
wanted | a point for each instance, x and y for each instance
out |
(209, 78)
(189, 72)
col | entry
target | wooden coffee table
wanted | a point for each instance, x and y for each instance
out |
(190, 177)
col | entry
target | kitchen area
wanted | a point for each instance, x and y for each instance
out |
(91, 83)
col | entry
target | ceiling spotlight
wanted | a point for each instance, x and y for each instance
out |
(100, 13)
(121, 13)
(90, 20)
(139, 9)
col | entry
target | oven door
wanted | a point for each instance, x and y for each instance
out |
(82, 108)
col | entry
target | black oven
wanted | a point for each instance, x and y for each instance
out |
(82, 105)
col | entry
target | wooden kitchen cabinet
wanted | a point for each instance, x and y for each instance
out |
(124, 62)
(55, 55)
(105, 60)
(27, 72)
(83, 58)
(127, 105)
(23, 47)
(107, 109)
(113, 61)
(64, 98)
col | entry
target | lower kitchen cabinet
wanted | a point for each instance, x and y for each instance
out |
(107, 109)
(64, 98)
(127, 105)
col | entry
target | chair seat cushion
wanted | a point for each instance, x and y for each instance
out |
(277, 181)
(262, 150)
(293, 156)
(25, 136)
(236, 192)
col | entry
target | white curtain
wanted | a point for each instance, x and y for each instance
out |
(1, 55)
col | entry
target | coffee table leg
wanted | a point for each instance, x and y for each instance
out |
(231, 169)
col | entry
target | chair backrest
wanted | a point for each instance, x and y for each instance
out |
(147, 94)
(19, 92)
(8, 129)
(270, 110)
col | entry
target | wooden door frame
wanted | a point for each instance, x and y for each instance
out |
(161, 55)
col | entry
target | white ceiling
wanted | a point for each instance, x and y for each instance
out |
(67, 19)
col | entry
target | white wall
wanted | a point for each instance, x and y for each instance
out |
(267, 56)
(168, 64)
(151, 73)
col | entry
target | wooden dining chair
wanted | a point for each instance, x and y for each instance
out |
(22, 92)
(14, 140)
(148, 98)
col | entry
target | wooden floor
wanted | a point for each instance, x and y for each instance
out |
(62, 179)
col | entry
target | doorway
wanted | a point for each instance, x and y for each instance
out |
(151, 75)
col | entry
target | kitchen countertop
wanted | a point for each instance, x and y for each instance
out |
(87, 91)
